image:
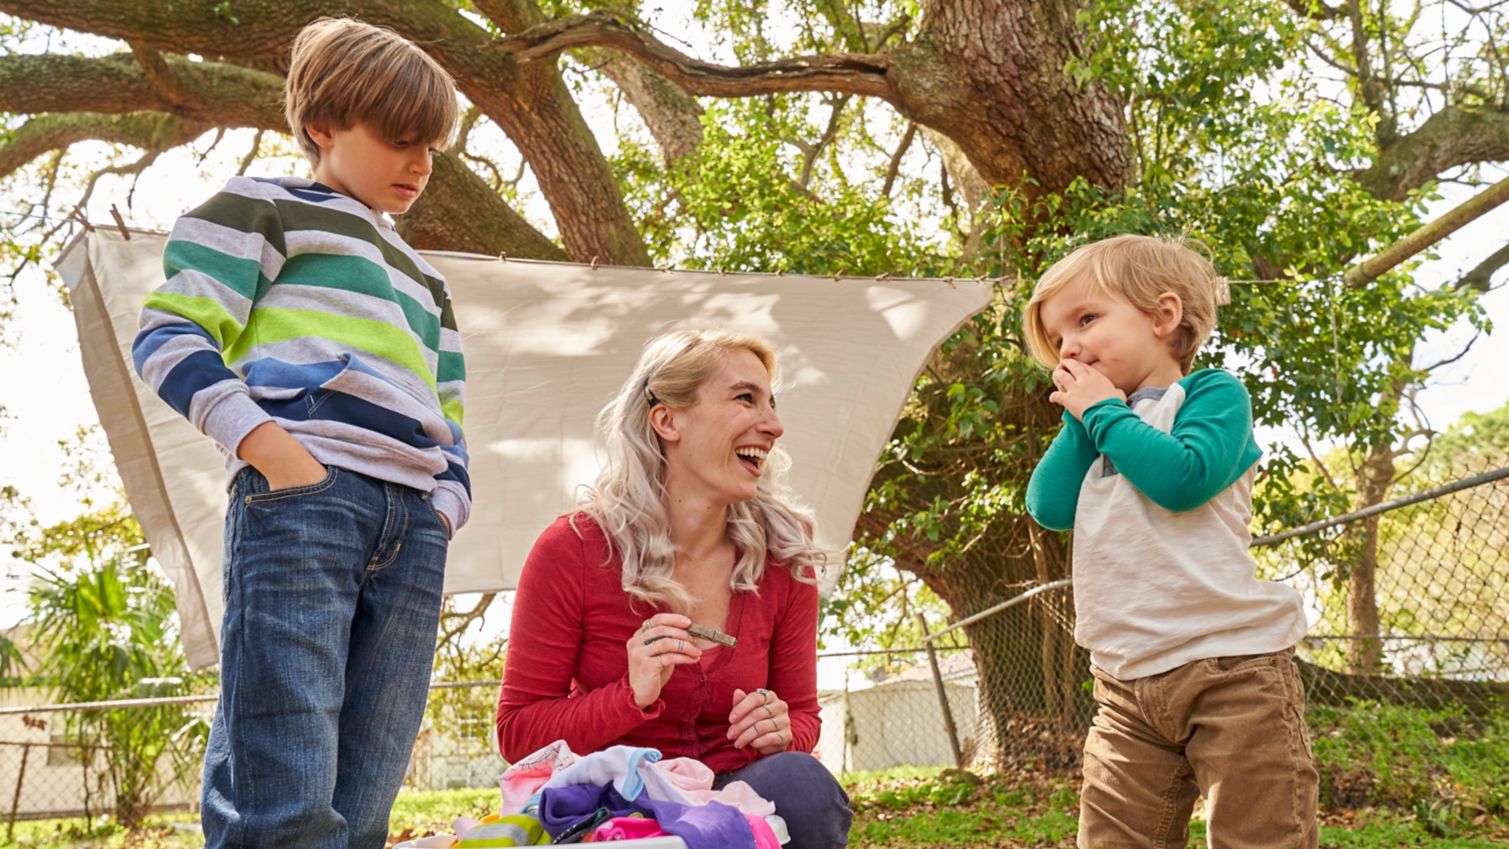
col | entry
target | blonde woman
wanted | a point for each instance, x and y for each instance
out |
(685, 526)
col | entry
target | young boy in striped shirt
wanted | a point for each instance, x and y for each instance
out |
(300, 332)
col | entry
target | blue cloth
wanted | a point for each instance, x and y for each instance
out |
(631, 786)
(805, 794)
(712, 825)
(332, 601)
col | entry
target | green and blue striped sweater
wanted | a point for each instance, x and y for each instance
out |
(286, 301)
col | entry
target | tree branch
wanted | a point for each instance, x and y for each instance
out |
(893, 169)
(1428, 234)
(813, 151)
(673, 116)
(1481, 276)
(531, 104)
(211, 92)
(162, 77)
(1454, 136)
(461, 212)
(511, 15)
(1367, 83)
(1315, 10)
(50, 132)
(250, 29)
(251, 154)
(1457, 356)
(851, 73)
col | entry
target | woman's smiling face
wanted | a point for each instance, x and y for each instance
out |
(722, 441)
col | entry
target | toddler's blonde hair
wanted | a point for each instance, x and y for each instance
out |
(1136, 269)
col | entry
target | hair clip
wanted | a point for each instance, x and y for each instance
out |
(649, 397)
(1223, 291)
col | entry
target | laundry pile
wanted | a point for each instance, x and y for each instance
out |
(620, 793)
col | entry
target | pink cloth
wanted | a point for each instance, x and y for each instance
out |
(739, 794)
(687, 773)
(633, 828)
(764, 835)
(522, 780)
(695, 779)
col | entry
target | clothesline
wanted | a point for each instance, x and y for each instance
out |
(595, 264)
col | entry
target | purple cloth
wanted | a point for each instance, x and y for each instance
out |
(712, 825)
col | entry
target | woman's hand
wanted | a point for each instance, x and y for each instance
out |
(660, 645)
(760, 719)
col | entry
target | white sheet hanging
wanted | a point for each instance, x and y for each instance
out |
(546, 345)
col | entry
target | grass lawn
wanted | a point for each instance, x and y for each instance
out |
(933, 809)
(912, 808)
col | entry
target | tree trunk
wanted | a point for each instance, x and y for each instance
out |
(460, 212)
(1365, 649)
(1032, 701)
(1032, 705)
(990, 76)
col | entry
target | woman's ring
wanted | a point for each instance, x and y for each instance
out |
(680, 645)
(765, 694)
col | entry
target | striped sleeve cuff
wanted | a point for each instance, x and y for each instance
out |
(449, 498)
(233, 417)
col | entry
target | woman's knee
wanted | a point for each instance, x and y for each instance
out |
(806, 795)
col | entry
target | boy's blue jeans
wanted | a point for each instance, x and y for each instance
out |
(332, 602)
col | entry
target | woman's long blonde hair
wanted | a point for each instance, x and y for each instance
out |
(628, 499)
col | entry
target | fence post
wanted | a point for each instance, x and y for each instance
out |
(948, 713)
(15, 801)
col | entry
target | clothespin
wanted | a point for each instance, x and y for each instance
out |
(840, 275)
(594, 262)
(1223, 291)
(884, 275)
(950, 282)
(502, 256)
(669, 268)
(79, 215)
(120, 222)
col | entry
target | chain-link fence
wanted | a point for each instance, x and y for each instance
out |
(1409, 602)
(1409, 605)
(50, 769)
(54, 763)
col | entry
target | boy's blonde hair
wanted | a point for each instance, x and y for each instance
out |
(1136, 269)
(344, 72)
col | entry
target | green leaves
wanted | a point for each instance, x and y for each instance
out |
(736, 204)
